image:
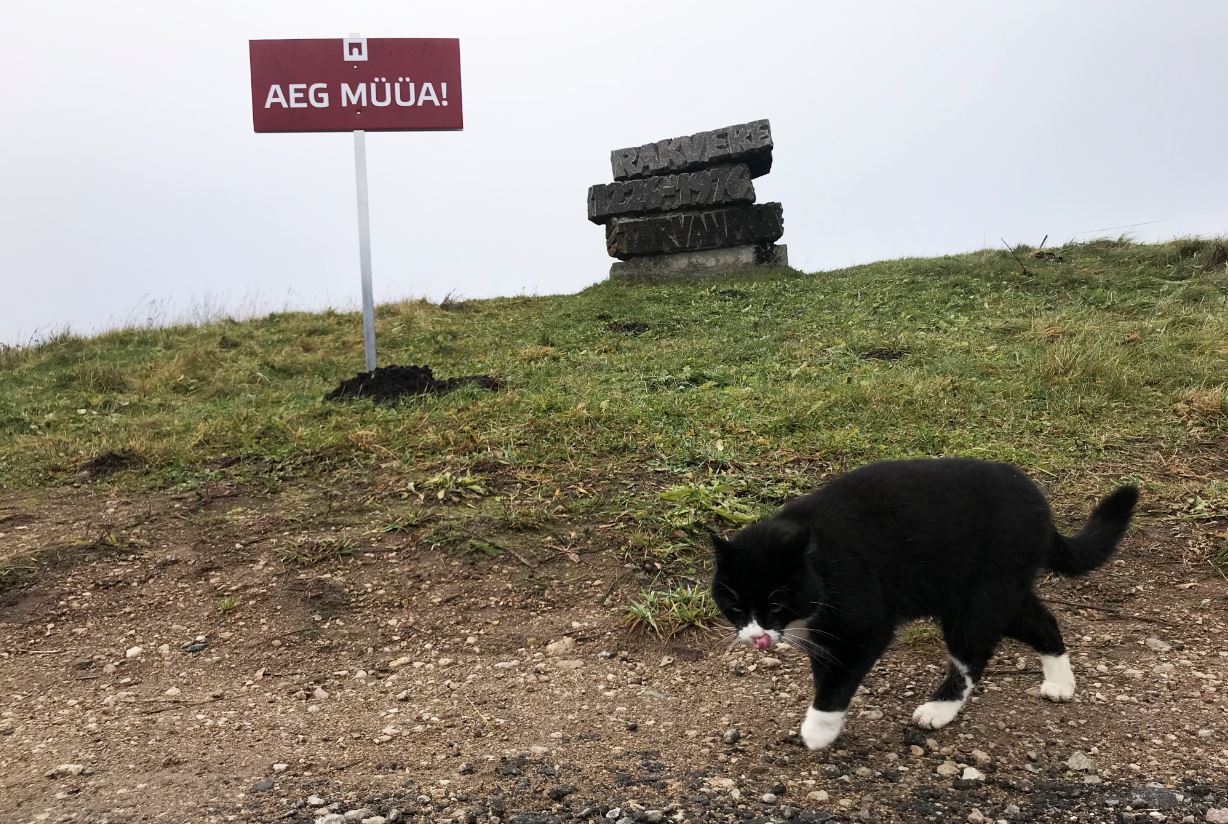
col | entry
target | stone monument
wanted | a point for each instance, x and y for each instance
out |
(687, 206)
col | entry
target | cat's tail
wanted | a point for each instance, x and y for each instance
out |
(1095, 542)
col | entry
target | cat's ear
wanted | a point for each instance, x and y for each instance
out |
(719, 545)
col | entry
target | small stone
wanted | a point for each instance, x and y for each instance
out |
(83, 663)
(654, 816)
(263, 786)
(947, 769)
(359, 814)
(1217, 815)
(769, 662)
(917, 751)
(375, 819)
(65, 770)
(570, 663)
(315, 801)
(972, 774)
(331, 818)
(769, 798)
(109, 669)
(864, 772)
(562, 646)
(976, 817)
(172, 692)
(632, 726)
(1080, 762)
(319, 693)
(562, 791)
(817, 795)
(1205, 733)
(401, 662)
(1159, 645)
(197, 646)
(980, 757)
(1012, 809)
(134, 652)
(733, 736)
(280, 767)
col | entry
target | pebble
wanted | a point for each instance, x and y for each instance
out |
(280, 767)
(769, 798)
(562, 791)
(817, 795)
(1080, 762)
(319, 693)
(972, 774)
(864, 772)
(733, 736)
(315, 801)
(172, 692)
(770, 663)
(197, 646)
(654, 816)
(400, 662)
(83, 663)
(1012, 809)
(562, 646)
(976, 816)
(917, 751)
(1159, 645)
(331, 818)
(980, 757)
(947, 769)
(358, 815)
(375, 819)
(109, 669)
(263, 786)
(66, 770)
(1217, 815)
(134, 652)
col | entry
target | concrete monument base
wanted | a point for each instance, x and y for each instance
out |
(708, 262)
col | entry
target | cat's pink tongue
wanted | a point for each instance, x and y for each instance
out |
(763, 641)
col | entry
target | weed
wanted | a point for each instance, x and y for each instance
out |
(667, 613)
(308, 553)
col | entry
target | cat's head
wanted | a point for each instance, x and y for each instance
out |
(763, 581)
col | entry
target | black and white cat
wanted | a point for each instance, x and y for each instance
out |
(837, 571)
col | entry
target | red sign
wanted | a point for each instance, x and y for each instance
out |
(344, 85)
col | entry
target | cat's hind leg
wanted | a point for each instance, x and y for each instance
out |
(838, 670)
(970, 649)
(1035, 626)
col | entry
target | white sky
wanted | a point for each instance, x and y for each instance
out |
(132, 186)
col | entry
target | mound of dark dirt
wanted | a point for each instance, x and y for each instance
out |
(628, 327)
(883, 353)
(104, 463)
(388, 383)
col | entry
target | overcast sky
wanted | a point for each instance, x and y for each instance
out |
(133, 187)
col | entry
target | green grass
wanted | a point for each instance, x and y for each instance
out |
(669, 612)
(742, 391)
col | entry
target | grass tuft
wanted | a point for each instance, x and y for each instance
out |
(667, 613)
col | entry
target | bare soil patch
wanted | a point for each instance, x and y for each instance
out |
(193, 673)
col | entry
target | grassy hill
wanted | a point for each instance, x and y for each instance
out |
(656, 411)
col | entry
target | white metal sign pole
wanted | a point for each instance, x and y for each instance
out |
(364, 249)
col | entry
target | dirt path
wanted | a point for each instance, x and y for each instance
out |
(194, 658)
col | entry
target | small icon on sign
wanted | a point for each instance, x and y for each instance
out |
(354, 48)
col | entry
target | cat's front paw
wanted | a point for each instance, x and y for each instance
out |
(820, 728)
(1058, 690)
(934, 715)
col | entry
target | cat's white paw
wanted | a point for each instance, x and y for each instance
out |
(1056, 691)
(821, 728)
(934, 715)
(1059, 682)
